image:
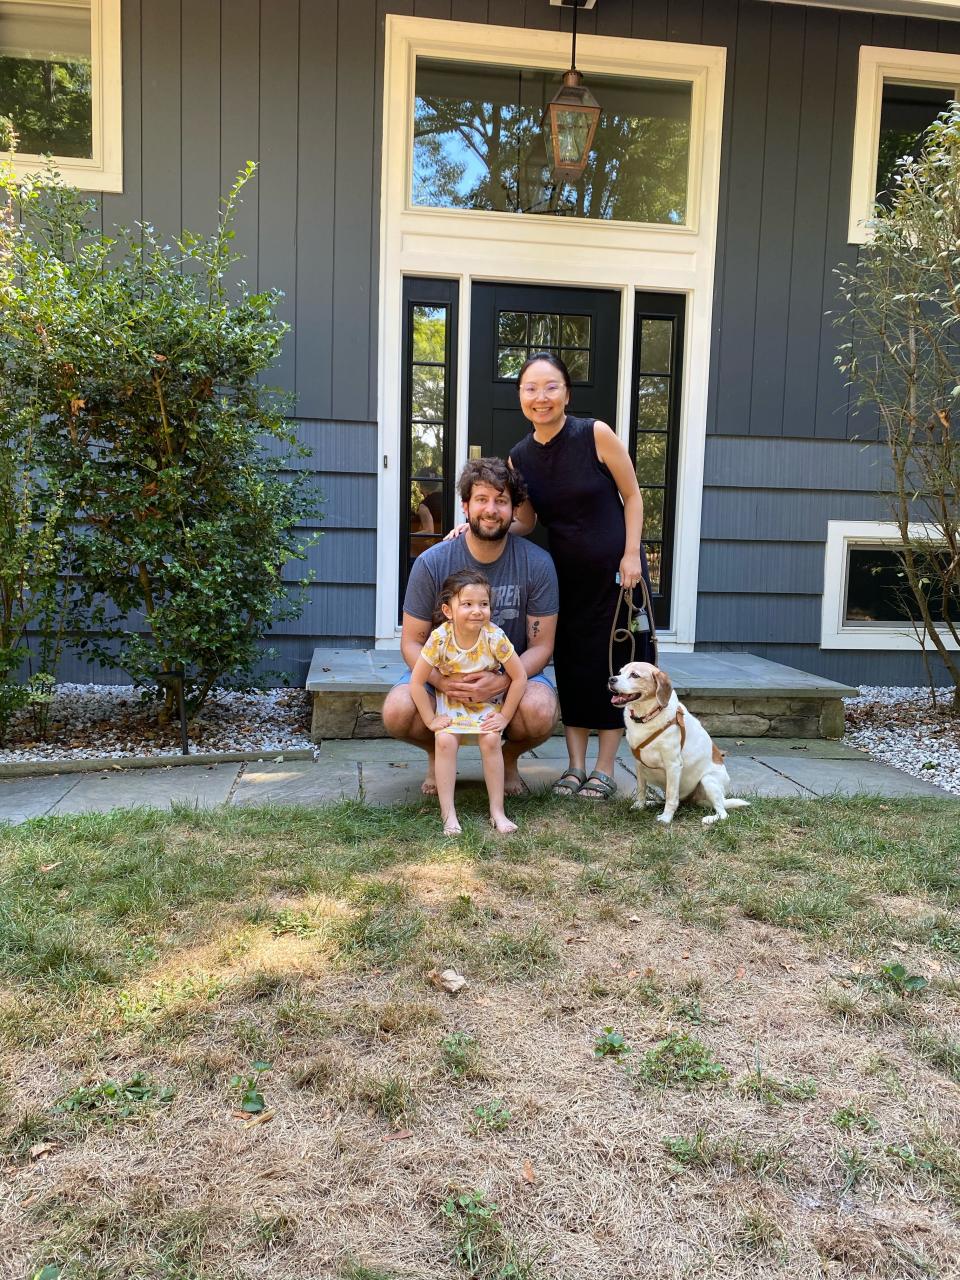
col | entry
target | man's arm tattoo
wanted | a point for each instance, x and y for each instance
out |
(533, 628)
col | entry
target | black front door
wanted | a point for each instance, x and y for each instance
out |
(508, 323)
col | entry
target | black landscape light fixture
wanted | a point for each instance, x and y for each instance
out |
(571, 119)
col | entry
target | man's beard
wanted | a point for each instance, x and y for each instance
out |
(490, 534)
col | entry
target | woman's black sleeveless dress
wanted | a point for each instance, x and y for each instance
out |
(576, 497)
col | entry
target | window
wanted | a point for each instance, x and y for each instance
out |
(60, 85)
(657, 367)
(521, 334)
(429, 377)
(867, 602)
(478, 144)
(900, 93)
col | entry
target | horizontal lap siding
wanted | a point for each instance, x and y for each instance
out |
(787, 450)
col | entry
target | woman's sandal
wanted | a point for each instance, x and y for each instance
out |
(562, 787)
(598, 782)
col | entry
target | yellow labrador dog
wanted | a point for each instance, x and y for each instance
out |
(672, 749)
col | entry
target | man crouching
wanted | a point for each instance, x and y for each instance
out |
(524, 599)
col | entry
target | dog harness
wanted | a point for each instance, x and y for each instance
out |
(677, 720)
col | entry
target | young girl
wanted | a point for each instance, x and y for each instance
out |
(467, 641)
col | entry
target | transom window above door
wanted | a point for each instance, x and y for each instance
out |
(521, 334)
(478, 144)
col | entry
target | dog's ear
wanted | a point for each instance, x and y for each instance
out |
(664, 686)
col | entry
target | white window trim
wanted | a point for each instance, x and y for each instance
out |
(835, 633)
(479, 245)
(104, 171)
(877, 66)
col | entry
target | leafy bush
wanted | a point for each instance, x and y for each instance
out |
(152, 422)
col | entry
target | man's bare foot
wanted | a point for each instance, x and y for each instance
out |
(451, 827)
(428, 786)
(514, 785)
(502, 824)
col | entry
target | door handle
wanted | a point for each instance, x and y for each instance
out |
(474, 451)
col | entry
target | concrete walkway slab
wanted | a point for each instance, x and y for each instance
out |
(802, 748)
(749, 777)
(848, 778)
(301, 782)
(201, 788)
(25, 798)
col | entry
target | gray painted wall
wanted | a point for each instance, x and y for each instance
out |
(296, 85)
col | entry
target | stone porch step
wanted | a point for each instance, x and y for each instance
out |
(736, 695)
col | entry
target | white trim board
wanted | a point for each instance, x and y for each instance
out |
(835, 633)
(104, 171)
(472, 246)
(879, 66)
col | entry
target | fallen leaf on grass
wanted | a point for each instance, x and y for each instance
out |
(262, 1117)
(50, 866)
(40, 1149)
(397, 1135)
(739, 971)
(447, 980)
(529, 1176)
(635, 919)
(684, 955)
(785, 964)
(899, 946)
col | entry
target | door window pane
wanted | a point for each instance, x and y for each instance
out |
(46, 85)
(654, 560)
(652, 513)
(427, 392)
(541, 331)
(429, 334)
(652, 458)
(906, 111)
(653, 403)
(656, 341)
(479, 144)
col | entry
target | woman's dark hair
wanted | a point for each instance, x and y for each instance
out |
(452, 587)
(550, 358)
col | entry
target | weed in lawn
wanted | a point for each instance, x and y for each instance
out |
(28, 1129)
(610, 1044)
(111, 1100)
(854, 1168)
(357, 1271)
(757, 1232)
(773, 1092)
(466, 910)
(940, 1051)
(493, 1115)
(679, 1061)
(689, 1010)
(847, 1119)
(389, 1096)
(271, 1230)
(250, 1096)
(146, 1009)
(460, 1054)
(296, 924)
(482, 1248)
(517, 956)
(767, 1161)
(931, 1154)
(378, 936)
(895, 977)
(697, 1152)
(297, 1015)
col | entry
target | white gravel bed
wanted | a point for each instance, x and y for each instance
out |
(90, 721)
(902, 727)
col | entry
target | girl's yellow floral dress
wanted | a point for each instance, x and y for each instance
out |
(444, 654)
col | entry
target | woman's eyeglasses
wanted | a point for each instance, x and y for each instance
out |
(529, 389)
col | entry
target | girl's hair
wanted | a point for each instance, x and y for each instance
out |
(550, 358)
(452, 587)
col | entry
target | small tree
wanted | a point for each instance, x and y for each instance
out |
(903, 312)
(158, 430)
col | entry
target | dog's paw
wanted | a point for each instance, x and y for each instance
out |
(711, 818)
(639, 804)
(652, 803)
(665, 818)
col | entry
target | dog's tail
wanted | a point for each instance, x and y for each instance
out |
(731, 802)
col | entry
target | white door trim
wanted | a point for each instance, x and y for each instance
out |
(469, 246)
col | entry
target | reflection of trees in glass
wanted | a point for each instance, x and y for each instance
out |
(50, 103)
(472, 153)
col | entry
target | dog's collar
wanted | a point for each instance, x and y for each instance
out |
(649, 716)
(677, 720)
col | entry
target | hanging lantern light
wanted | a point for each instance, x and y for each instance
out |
(570, 120)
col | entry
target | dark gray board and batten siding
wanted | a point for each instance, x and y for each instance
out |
(297, 86)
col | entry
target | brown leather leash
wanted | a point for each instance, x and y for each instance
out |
(619, 635)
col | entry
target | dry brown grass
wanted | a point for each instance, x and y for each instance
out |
(597, 1175)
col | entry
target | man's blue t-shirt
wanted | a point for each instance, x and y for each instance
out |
(523, 583)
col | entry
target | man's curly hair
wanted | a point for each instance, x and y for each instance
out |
(492, 471)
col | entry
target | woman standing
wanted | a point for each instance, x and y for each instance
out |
(583, 488)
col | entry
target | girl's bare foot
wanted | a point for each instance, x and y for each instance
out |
(451, 827)
(428, 786)
(502, 824)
